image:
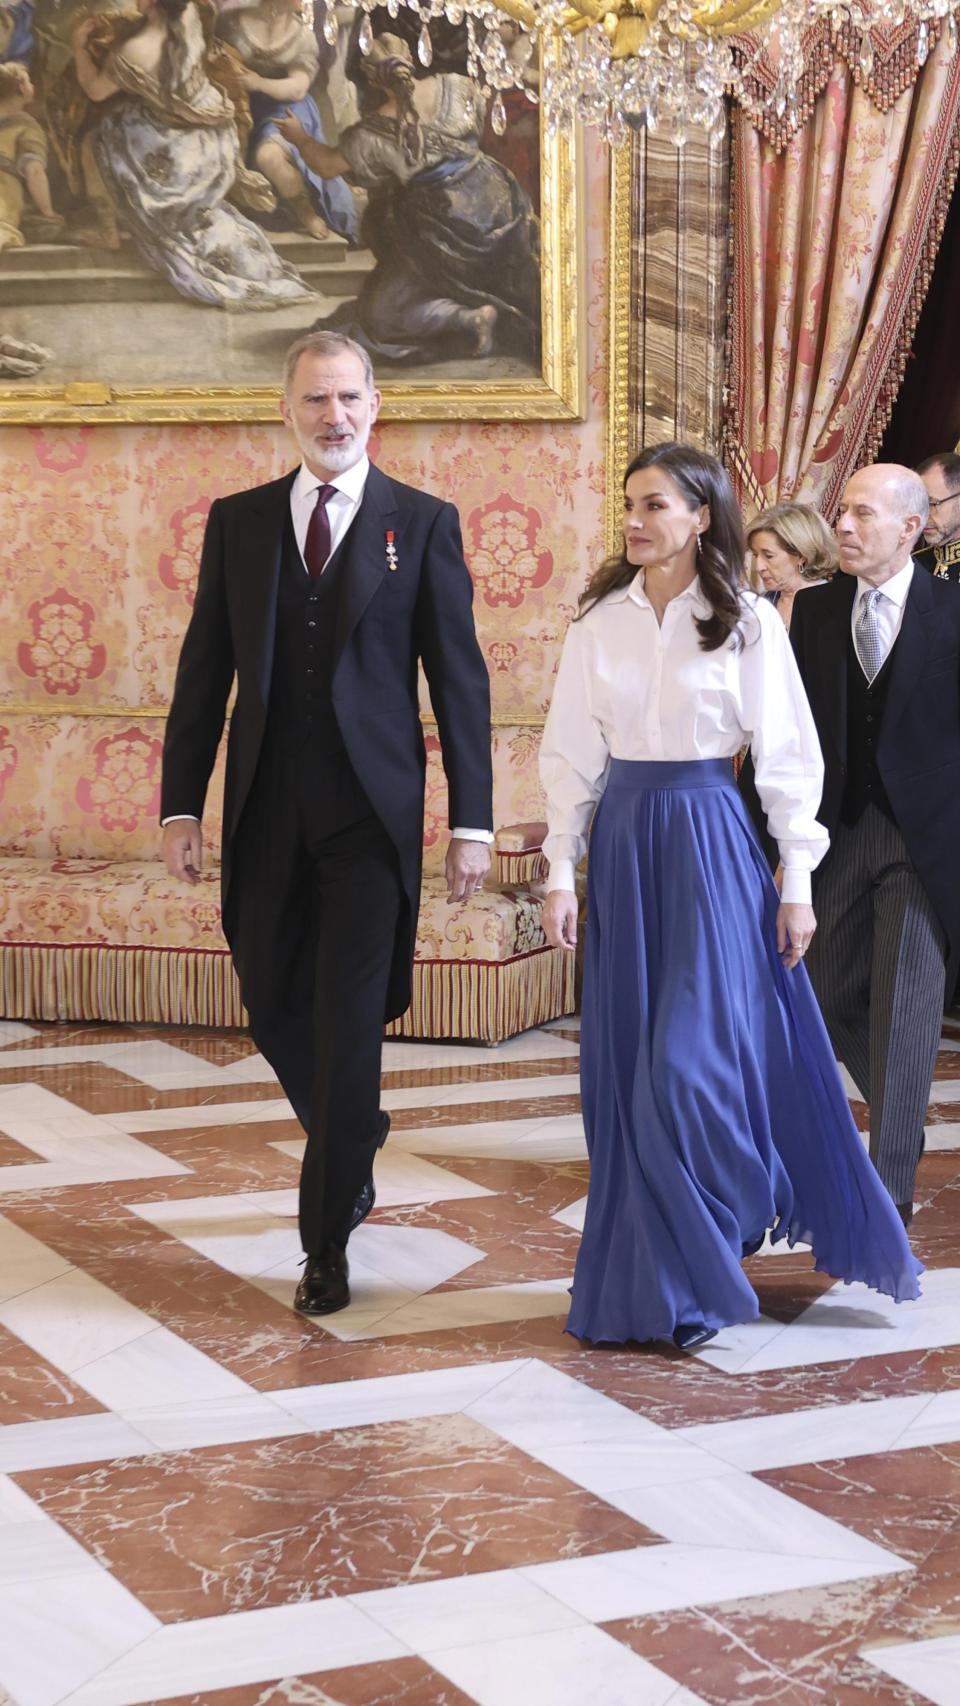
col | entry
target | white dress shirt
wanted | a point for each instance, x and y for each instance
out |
(888, 609)
(629, 688)
(342, 506)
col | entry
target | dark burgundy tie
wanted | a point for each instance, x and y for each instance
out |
(316, 550)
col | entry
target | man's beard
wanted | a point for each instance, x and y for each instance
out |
(337, 456)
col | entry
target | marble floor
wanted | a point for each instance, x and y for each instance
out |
(437, 1497)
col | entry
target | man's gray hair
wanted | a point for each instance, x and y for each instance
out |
(325, 343)
(909, 495)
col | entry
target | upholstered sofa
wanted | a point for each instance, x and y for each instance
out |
(91, 926)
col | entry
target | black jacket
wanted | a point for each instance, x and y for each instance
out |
(918, 753)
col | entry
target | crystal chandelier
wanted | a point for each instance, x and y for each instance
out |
(666, 65)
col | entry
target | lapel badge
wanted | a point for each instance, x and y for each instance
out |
(391, 551)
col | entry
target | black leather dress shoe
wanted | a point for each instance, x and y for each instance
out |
(368, 1194)
(690, 1335)
(324, 1284)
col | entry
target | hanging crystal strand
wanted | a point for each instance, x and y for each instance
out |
(866, 56)
(498, 115)
(923, 43)
(365, 35)
(331, 28)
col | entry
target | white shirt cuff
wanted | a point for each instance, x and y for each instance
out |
(473, 835)
(179, 817)
(563, 875)
(795, 889)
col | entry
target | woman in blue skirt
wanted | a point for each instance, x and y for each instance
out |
(712, 1104)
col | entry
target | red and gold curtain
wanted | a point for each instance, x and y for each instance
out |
(835, 229)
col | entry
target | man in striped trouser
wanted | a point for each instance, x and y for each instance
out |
(879, 652)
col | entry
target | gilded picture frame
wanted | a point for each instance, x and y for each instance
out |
(478, 390)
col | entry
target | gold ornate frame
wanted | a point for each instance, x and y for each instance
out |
(557, 395)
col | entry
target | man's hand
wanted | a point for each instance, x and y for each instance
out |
(182, 849)
(795, 926)
(467, 864)
(559, 919)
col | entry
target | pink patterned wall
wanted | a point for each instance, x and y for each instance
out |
(101, 530)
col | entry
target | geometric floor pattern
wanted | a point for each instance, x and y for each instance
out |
(437, 1497)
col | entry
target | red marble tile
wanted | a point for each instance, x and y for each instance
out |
(400, 1682)
(485, 1072)
(473, 1113)
(199, 1534)
(13, 1154)
(32, 1390)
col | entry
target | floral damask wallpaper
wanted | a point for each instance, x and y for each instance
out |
(101, 530)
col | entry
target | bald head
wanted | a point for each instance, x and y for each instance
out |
(882, 513)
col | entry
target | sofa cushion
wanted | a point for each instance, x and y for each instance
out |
(90, 902)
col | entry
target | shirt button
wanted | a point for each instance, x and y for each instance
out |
(311, 624)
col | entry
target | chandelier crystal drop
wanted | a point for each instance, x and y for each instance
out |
(664, 65)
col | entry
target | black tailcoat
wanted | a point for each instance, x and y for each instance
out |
(918, 752)
(387, 620)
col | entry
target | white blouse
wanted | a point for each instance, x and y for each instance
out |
(629, 688)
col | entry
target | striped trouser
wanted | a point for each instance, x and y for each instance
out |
(877, 966)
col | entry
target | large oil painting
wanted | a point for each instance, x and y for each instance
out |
(186, 185)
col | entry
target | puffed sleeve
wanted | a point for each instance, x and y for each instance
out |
(788, 763)
(573, 760)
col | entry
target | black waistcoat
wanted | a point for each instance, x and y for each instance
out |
(302, 733)
(866, 705)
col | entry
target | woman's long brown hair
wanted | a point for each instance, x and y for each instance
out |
(723, 548)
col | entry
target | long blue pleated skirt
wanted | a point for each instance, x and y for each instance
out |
(712, 1103)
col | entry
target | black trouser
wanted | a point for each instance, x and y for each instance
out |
(312, 923)
(877, 967)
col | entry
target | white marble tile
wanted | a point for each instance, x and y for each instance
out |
(946, 1135)
(203, 1115)
(155, 1368)
(585, 1436)
(38, 1551)
(25, 1263)
(16, 1506)
(565, 1667)
(393, 1397)
(484, 1090)
(402, 1177)
(815, 1436)
(414, 1257)
(12, 1031)
(73, 1320)
(937, 1422)
(853, 1093)
(231, 1231)
(555, 1138)
(573, 1215)
(442, 1311)
(945, 1092)
(667, 1578)
(569, 1022)
(846, 1323)
(736, 1509)
(68, 1439)
(247, 1647)
(194, 1425)
(451, 1613)
(96, 1621)
(532, 1045)
(931, 1669)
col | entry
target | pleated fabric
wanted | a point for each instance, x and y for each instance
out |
(712, 1103)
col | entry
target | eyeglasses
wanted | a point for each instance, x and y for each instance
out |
(935, 503)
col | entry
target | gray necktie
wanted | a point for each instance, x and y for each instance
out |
(868, 637)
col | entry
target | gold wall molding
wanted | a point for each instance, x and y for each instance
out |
(158, 714)
(669, 211)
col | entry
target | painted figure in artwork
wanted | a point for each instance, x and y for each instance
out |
(23, 162)
(281, 64)
(454, 236)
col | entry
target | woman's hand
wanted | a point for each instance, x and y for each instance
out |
(291, 129)
(250, 80)
(795, 926)
(559, 919)
(83, 32)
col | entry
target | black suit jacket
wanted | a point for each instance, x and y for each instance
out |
(918, 754)
(388, 619)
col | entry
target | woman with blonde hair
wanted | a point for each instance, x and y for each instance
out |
(793, 548)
